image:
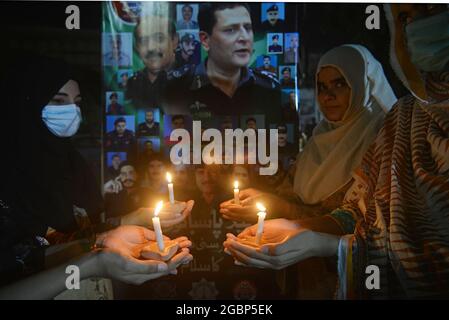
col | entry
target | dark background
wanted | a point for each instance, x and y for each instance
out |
(40, 27)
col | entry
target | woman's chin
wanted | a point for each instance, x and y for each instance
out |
(333, 116)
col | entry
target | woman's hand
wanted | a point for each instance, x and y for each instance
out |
(123, 255)
(246, 211)
(283, 243)
(142, 217)
(168, 220)
(122, 266)
(132, 239)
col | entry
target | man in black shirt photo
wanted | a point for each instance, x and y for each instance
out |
(150, 127)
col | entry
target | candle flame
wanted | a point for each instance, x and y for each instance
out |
(260, 207)
(158, 208)
(168, 175)
(236, 184)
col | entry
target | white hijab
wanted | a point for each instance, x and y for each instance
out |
(337, 147)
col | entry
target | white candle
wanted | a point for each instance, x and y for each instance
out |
(262, 214)
(236, 192)
(157, 227)
(171, 194)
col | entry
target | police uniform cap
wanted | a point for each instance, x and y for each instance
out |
(273, 8)
(286, 69)
(188, 37)
(276, 36)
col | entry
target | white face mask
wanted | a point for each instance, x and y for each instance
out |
(428, 42)
(62, 120)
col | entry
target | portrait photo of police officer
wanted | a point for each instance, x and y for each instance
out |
(290, 102)
(173, 122)
(186, 16)
(150, 125)
(114, 103)
(223, 82)
(274, 43)
(123, 77)
(118, 49)
(291, 54)
(120, 135)
(149, 146)
(267, 63)
(252, 121)
(155, 41)
(273, 17)
(189, 49)
(113, 160)
(287, 76)
(307, 103)
(286, 147)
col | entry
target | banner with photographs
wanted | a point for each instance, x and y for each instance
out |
(227, 65)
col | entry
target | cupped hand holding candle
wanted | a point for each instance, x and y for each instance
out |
(171, 194)
(173, 214)
(285, 243)
(165, 249)
(236, 192)
(245, 211)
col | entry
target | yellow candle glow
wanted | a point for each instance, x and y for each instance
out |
(157, 226)
(261, 214)
(236, 192)
(171, 194)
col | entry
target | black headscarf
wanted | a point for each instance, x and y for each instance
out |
(45, 176)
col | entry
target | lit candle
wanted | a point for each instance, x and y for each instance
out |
(171, 194)
(157, 226)
(260, 222)
(236, 192)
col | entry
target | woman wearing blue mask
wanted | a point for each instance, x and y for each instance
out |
(62, 115)
(46, 182)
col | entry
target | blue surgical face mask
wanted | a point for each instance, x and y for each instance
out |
(62, 120)
(428, 42)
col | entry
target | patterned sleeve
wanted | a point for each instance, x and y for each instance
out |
(352, 257)
(357, 197)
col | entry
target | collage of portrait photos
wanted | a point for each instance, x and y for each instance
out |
(157, 61)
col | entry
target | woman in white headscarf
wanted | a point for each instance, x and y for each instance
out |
(353, 95)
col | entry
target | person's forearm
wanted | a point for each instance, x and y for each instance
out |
(135, 218)
(324, 224)
(49, 283)
(128, 219)
(282, 208)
